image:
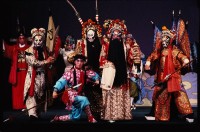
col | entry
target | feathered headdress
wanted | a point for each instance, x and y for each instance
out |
(78, 15)
(89, 24)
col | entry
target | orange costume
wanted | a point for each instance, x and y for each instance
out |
(168, 59)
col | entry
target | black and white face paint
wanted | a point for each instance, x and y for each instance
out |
(165, 41)
(38, 41)
(90, 35)
(116, 34)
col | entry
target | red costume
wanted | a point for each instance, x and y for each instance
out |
(18, 71)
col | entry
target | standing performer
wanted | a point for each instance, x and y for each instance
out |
(90, 46)
(18, 69)
(135, 67)
(115, 88)
(68, 49)
(38, 60)
(168, 58)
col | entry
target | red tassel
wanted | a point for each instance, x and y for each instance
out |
(65, 97)
(81, 81)
(172, 83)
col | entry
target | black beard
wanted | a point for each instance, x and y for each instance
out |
(117, 56)
(93, 51)
(40, 53)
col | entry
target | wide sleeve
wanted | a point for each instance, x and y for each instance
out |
(31, 60)
(60, 84)
(8, 50)
(104, 52)
(92, 75)
(153, 56)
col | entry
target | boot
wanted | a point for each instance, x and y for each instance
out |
(61, 118)
(89, 115)
(91, 119)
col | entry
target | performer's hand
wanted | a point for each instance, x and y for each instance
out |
(185, 62)
(96, 82)
(167, 77)
(50, 59)
(135, 76)
(147, 65)
(55, 94)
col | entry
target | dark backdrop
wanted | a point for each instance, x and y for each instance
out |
(136, 13)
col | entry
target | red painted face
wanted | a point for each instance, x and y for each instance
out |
(21, 39)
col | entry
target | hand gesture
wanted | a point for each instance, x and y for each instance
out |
(55, 94)
(147, 67)
(50, 59)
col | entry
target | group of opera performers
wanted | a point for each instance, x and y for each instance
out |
(101, 74)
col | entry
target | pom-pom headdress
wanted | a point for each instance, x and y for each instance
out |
(38, 32)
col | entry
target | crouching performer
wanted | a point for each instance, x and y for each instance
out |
(74, 81)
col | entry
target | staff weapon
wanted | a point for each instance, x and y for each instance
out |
(76, 12)
(169, 75)
(26, 110)
(97, 15)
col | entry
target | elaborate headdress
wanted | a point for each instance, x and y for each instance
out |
(179, 31)
(167, 32)
(90, 25)
(130, 36)
(117, 24)
(39, 32)
(69, 40)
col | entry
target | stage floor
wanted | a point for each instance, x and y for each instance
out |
(18, 120)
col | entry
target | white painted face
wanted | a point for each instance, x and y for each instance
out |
(38, 41)
(165, 41)
(90, 35)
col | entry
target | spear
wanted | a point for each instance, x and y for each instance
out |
(169, 75)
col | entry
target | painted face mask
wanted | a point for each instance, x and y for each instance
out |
(90, 35)
(38, 41)
(167, 35)
(116, 34)
(165, 41)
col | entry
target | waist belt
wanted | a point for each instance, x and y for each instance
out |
(39, 72)
(21, 69)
